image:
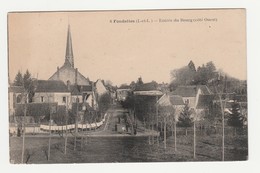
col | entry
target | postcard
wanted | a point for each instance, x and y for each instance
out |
(127, 86)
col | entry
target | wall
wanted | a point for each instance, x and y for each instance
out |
(68, 73)
(51, 97)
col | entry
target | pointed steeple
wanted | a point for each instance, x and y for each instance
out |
(69, 59)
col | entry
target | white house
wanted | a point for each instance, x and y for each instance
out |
(50, 91)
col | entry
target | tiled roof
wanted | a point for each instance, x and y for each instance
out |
(185, 91)
(16, 89)
(147, 87)
(191, 90)
(124, 87)
(50, 86)
(169, 100)
(79, 89)
(176, 100)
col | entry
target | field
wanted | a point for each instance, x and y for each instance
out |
(128, 149)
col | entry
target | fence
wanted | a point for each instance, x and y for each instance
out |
(13, 129)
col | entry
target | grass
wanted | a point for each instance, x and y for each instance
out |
(128, 149)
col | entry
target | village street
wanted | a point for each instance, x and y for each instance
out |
(116, 125)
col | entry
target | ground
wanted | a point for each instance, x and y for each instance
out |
(107, 145)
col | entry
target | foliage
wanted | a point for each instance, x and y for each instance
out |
(129, 102)
(27, 82)
(235, 119)
(104, 102)
(185, 119)
(18, 81)
(144, 107)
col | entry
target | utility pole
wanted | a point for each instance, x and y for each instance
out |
(157, 128)
(66, 121)
(223, 116)
(165, 132)
(76, 123)
(49, 148)
(23, 127)
(194, 137)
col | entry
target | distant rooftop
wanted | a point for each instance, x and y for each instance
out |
(147, 87)
(191, 90)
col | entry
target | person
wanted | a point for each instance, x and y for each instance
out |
(18, 132)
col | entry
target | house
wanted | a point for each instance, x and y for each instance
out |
(15, 96)
(50, 91)
(100, 88)
(174, 101)
(190, 93)
(148, 89)
(122, 92)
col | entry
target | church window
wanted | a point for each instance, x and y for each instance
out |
(42, 99)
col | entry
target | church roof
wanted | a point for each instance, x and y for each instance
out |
(50, 86)
(69, 59)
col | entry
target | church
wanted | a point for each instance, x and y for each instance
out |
(80, 87)
(67, 73)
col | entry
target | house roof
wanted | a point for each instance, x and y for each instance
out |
(79, 89)
(185, 91)
(204, 101)
(170, 99)
(191, 90)
(51, 86)
(147, 87)
(16, 89)
(124, 87)
(176, 100)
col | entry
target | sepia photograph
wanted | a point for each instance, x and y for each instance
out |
(127, 86)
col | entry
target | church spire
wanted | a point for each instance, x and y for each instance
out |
(69, 60)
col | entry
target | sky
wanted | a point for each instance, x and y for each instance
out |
(105, 47)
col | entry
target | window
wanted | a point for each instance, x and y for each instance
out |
(187, 101)
(64, 99)
(19, 98)
(42, 99)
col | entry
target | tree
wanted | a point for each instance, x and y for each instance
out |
(27, 82)
(104, 102)
(18, 81)
(183, 76)
(185, 119)
(236, 119)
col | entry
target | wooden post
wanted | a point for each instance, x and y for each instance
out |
(66, 135)
(175, 137)
(23, 145)
(49, 148)
(157, 123)
(164, 132)
(194, 139)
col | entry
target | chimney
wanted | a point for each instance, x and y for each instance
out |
(76, 76)
(58, 73)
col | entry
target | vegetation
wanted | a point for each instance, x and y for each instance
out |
(27, 82)
(185, 119)
(235, 119)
